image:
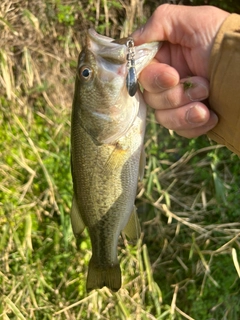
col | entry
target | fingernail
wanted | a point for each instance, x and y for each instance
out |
(172, 80)
(196, 115)
(158, 82)
(197, 92)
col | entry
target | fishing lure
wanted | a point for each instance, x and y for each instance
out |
(131, 80)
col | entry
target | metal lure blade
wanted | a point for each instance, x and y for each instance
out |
(131, 81)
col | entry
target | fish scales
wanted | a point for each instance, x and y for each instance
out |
(107, 133)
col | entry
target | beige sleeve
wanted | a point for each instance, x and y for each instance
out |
(225, 84)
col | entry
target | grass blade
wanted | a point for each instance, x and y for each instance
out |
(14, 309)
(235, 261)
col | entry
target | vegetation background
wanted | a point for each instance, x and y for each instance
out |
(186, 265)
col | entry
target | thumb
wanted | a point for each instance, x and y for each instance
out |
(160, 26)
(184, 25)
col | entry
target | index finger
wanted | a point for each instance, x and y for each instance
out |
(157, 28)
(157, 77)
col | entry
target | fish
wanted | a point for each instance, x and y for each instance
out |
(107, 154)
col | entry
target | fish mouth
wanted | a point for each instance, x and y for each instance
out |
(109, 56)
(107, 49)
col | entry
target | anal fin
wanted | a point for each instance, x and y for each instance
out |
(133, 229)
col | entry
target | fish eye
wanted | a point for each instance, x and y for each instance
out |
(85, 73)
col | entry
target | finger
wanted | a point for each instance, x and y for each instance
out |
(165, 24)
(199, 131)
(177, 24)
(157, 77)
(174, 56)
(186, 118)
(187, 90)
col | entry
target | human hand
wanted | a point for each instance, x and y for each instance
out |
(177, 79)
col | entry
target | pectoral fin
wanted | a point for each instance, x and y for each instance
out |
(133, 229)
(142, 164)
(76, 219)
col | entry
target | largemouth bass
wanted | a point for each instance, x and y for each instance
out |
(107, 133)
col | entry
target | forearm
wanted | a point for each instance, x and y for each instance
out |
(224, 75)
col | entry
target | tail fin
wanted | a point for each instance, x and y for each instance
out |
(99, 277)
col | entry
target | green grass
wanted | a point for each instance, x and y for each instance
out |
(186, 265)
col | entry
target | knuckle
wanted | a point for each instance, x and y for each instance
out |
(170, 120)
(173, 98)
